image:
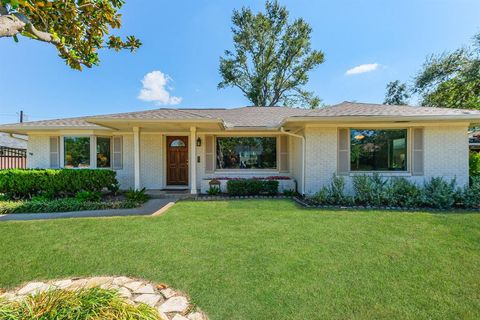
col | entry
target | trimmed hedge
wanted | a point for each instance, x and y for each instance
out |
(62, 205)
(26, 183)
(252, 187)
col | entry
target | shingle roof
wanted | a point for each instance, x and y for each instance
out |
(261, 117)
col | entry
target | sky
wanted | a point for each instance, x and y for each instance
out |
(367, 43)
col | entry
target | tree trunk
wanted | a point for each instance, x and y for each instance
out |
(10, 26)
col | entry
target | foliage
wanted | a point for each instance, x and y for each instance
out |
(77, 28)
(471, 194)
(21, 183)
(290, 193)
(397, 93)
(474, 164)
(403, 193)
(62, 205)
(88, 196)
(137, 195)
(84, 304)
(249, 187)
(271, 58)
(451, 79)
(440, 194)
(370, 189)
(333, 193)
(213, 190)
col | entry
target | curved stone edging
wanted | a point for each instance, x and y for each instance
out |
(171, 304)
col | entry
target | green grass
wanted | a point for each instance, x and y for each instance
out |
(269, 259)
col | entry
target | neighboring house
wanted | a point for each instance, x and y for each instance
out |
(13, 141)
(13, 151)
(155, 149)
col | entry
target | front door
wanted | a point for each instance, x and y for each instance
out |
(177, 161)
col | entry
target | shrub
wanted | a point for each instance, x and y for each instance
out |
(88, 196)
(248, 187)
(21, 183)
(474, 163)
(61, 205)
(137, 195)
(334, 193)
(290, 193)
(440, 194)
(370, 189)
(93, 303)
(214, 190)
(471, 194)
(403, 193)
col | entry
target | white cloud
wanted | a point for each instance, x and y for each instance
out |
(155, 89)
(368, 67)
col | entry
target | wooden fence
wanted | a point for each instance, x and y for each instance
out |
(12, 158)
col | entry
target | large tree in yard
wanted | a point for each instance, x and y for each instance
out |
(77, 28)
(271, 58)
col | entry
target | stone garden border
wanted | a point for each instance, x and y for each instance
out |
(170, 304)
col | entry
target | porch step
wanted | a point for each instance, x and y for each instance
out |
(170, 193)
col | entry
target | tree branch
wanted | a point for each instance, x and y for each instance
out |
(10, 26)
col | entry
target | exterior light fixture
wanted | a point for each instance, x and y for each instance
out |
(199, 142)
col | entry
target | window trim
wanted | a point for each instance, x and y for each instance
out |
(407, 172)
(238, 171)
(93, 150)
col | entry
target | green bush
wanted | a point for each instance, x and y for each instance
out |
(370, 189)
(84, 304)
(474, 163)
(334, 193)
(21, 183)
(249, 187)
(471, 194)
(88, 196)
(137, 195)
(213, 190)
(439, 194)
(403, 193)
(61, 205)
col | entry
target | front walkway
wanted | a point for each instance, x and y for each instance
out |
(149, 208)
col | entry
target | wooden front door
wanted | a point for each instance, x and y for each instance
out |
(177, 161)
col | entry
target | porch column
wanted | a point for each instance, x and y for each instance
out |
(193, 160)
(136, 157)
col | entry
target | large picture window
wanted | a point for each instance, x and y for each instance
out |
(378, 150)
(103, 152)
(247, 153)
(76, 152)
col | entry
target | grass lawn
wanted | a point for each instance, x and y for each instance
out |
(268, 259)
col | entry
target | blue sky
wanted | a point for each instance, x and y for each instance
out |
(184, 40)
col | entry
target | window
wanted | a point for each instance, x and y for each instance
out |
(76, 152)
(103, 152)
(247, 153)
(178, 143)
(378, 150)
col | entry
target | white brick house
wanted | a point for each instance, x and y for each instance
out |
(155, 149)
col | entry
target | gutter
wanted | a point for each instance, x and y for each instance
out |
(282, 130)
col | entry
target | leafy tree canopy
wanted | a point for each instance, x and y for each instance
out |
(271, 58)
(77, 28)
(397, 93)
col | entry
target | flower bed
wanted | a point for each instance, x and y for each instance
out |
(285, 183)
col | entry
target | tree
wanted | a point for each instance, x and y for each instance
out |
(397, 93)
(271, 58)
(77, 28)
(451, 79)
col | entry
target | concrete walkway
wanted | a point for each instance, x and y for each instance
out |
(149, 208)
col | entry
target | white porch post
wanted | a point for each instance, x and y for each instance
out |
(136, 156)
(193, 160)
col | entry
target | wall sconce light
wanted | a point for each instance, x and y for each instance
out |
(199, 142)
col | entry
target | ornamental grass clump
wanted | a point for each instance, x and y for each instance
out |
(93, 303)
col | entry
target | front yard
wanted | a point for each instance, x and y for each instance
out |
(268, 259)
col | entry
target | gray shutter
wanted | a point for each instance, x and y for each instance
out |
(418, 152)
(343, 166)
(209, 154)
(283, 154)
(54, 152)
(117, 162)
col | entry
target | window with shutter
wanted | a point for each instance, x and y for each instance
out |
(117, 162)
(418, 152)
(209, 154)
(54, 152)
(343, 166)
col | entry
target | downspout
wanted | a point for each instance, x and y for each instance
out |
(282, 130)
